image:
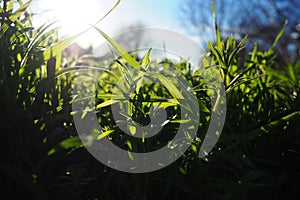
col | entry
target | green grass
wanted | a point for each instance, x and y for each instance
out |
(42, 157)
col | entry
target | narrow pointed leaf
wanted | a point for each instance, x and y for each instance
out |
(104, 134)
(146, 59)
(120, 49)
(169, 85)
(279, 34)
(59, 47)
(106, 103)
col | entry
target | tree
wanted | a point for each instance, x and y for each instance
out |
(261, 20)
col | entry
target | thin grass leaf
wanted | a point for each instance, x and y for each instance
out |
(76, 69)
(71, 143)
(13, 17)
(10, 5)
(180, 121)
(254, 53)
(104, 134)
(237, 50)
(239, 76)
(268, 127)
(20, 2)
(169, 85)
(106, 103)
(139, 81)
(203, 107)
(165, 104)
(218, 33)
(59, 47)
(217, 53)
(292, 74)
(279, 34)
(146, 59)
(110, 10)
(40, 33)
(19, 11)
(119, 49)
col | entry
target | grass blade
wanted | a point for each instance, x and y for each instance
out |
(120, 49)
(169, 85)
(146, 59)
(279, 34)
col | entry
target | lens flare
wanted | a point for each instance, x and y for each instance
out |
(74, 16)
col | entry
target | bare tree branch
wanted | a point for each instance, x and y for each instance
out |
(260, 19)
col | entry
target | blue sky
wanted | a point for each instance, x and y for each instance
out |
(149, 13)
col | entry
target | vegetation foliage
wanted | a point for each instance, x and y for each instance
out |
(257, 156)
(260, 20)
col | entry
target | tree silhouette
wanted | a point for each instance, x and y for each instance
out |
(261, 20)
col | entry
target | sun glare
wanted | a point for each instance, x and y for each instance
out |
(74, 15)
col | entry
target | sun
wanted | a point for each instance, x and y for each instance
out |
(74, 16)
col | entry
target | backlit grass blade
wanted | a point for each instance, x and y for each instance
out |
(259, 131)
(146, 59)
(71, 143)
(34, 43)
(10, 5)
(218, 33)
(56, 49)
(106, 14)
(169, 85)
(237, 50)
(279, 34)
(104, 134)
(120, 49)
(106, 103)
(217, 53)
(15, 16)
(59, 47)
(19, 11)
(20, 2)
